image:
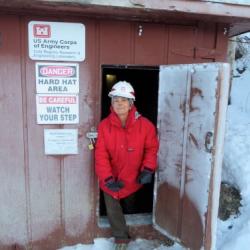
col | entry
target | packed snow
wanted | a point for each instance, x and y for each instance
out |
(108, 244)
(234, 233)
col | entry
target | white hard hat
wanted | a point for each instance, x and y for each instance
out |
(123, 89)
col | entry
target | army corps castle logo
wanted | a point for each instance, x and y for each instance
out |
(42, 30)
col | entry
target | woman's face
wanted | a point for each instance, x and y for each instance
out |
(120, 105)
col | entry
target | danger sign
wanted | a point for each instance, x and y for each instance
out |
(57, 109)
(57, 78)
(56, 41)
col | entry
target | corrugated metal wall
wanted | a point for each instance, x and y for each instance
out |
(49, 201)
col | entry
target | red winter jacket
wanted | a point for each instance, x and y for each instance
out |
(124, 152)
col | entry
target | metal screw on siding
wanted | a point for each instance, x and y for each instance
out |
(225, 31)
(93, 129)
(140, 30)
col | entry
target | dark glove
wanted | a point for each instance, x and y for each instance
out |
(113, 185)
(145, 176)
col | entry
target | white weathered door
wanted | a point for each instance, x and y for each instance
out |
(191, 121)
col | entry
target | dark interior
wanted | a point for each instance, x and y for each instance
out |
(145, 83)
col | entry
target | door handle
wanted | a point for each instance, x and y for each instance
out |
(209, 142)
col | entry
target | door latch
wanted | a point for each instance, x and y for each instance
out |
(209, 142)
(92, 136)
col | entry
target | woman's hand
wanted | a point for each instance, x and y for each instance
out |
(113, 185)
(145, 176)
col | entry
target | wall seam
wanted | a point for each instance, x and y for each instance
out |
(23, 52)
(62, 196)
(98, 95)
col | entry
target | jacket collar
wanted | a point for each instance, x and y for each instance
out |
(133, 116)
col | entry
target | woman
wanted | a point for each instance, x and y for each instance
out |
(125, 156)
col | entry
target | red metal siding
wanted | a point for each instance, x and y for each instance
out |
(79, 204)
(122, 43)
(149, 44)
(61, 197)
(13, 206)
(115, 42)
(45, 172)
(206, 42)
(182, 41)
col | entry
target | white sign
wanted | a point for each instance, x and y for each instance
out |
(60, 141)
(57, 109)
(56, 41)
(57, 78)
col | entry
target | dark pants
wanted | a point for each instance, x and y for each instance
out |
(116, 216)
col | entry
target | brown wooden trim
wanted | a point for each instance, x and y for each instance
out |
(178, 11)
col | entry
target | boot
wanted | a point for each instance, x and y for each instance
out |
(121, 246)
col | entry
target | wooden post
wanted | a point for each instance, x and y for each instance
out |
(231, 61)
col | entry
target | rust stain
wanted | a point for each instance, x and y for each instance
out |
(179, 217)
(14, 246)
(138, 231)
(193, 139)
(182, 107)
(82, 130)
(179, 167)
(55, 240)
(17, 247)
(192, 234)
(194, 92)
(189, 178)
(191, 108)
(166, 208)
(148, 232)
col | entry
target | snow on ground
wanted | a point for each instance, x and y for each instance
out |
(108, 244)
(234, 233)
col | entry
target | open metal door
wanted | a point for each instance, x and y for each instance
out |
(191, 121)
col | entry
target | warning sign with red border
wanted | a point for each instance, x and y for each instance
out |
(57, 78)
(57, 109)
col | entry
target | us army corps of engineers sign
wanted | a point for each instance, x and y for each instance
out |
(56, 41)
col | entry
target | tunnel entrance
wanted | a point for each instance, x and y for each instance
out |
(145, 83)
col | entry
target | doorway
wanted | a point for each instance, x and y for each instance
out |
(145, 81)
